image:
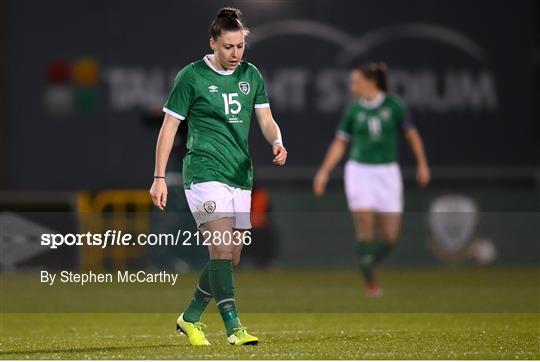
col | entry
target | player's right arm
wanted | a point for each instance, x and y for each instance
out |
(165, 141)
(335, 152)
(333, 157)
(176, 110)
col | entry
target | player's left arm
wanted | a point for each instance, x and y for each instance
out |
(272, 134)
(423, 174)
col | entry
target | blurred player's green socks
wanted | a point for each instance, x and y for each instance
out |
(366, 250)
(221, 282)
(381, 251)
(200, 299)
(371, 253)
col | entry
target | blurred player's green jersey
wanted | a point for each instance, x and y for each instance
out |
(218, 106)
(372, 129)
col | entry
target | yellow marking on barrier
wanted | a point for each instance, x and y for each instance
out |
(125, 210)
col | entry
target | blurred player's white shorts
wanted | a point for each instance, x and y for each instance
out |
(214, 200)
(374, 187)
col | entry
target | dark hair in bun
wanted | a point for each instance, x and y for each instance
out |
(227, 19)
(377, 72)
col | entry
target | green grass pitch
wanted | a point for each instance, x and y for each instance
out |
(441, 313)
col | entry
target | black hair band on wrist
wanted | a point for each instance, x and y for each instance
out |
(159, 176)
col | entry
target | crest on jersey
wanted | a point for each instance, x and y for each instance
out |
(244, 87)
(385, 114)
(213, 88)
(209, 206)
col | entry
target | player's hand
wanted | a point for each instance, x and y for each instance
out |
(158, 192)
(280, 154)
(319, 183)
(423, 175)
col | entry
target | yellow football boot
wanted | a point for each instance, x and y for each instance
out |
(194, 331)
(241, 337)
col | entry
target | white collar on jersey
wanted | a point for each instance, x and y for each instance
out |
(374, 103)
(209, 63)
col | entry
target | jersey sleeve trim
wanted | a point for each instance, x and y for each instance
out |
(343, 135)
(262, 105)
(174, 114)
(407, 123)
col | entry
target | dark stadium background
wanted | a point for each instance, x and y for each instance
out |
(83, 83)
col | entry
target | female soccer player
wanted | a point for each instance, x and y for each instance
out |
(372, 177)
(217, 95)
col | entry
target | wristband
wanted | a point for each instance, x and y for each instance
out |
(159, 177)
(277, 142)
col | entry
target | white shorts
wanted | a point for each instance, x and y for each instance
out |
(214, 200)
(373, 187)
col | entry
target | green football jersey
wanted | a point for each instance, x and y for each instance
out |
(372, 129)
(218, 106)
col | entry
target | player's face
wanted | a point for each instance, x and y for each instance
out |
(360, 86)
(229, 48)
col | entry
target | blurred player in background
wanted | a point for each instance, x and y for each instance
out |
(217, 96)
(373, 184)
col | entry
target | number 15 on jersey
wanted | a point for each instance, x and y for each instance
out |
(232, 105)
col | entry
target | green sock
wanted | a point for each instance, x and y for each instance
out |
(382, 250)
(365, 250)
(221, 281)
(200, 299)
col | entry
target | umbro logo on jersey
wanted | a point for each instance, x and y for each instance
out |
(213, 88)
(361, 117)
(244, 87)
